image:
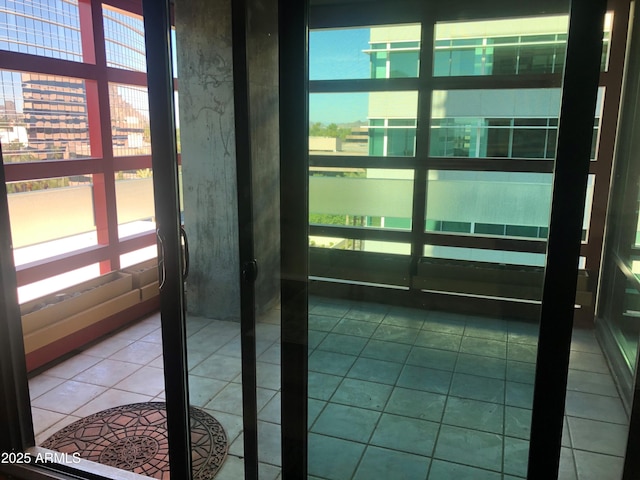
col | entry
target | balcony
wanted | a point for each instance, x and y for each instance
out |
(442, 202)
(393, 390)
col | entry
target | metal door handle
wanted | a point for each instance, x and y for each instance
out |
(185, 255)
(162, 273)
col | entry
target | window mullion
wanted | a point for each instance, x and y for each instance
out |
(423, 133)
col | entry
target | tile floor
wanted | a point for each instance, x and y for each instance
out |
(393, 393)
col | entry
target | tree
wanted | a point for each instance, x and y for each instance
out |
(317, 129)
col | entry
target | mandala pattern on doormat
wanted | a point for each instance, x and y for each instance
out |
(134, 438)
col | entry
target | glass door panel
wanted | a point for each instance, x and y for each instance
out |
(231, 218)
(208, 215)
(443, 389)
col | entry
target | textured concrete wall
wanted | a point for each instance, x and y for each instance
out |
(203, 32)
(262, 45)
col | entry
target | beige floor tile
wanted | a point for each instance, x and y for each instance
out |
(107, 372)
(68, 396)
(134, 373)
(73, 366)
(157, 362)
(154, 337)
(67, 420)
(44, 419)
(146, 381)
(109, 399)
(138, 352)
(42, 384)
(107, 347)
(139, 330)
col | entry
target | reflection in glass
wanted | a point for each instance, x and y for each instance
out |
(359, 53)
(341, 243)
(377, 198)
(501, 47)
(370, 123)
(44, 118)
(519, 123)
(48, 29)
(35, 290)
(483, 255)
(134, 202)
(138, 256)
(520, 46)
(124, 38)
(129, 120)
(55, 198)
(489, 203)
(627, 325)
(497, 204)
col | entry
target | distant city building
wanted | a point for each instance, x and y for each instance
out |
(44, 116)
(491, 123)
(55, 116)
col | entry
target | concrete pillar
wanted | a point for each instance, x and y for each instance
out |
(204, 42)
(203, 37)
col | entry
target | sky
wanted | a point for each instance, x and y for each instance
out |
(333, 54)
(338, 55)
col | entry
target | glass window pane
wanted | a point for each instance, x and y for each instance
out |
(401, 142)
(483, 255)
(138, 256)
(44, 117)
(379, 65)
(498, 138)
(129, 120)
(403, 64)
(503, 60)
(463, 62)
(379, 198)
(359, 53)
(496, 203)
(124, 38)
(369, 123)
(441, 63)
(354, 244)
(489, 229)
(52, 31)
(48, 230)
(134, 202)
(536, 59)
(38, 289)
(518, 123)
(606, 41)
(522, 231)
(502, 47)
(343, 54)
(529, 143)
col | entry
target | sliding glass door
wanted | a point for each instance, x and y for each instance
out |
(432, 144)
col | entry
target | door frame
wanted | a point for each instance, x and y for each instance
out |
(174, 270)
(157, 28)
(580, 84)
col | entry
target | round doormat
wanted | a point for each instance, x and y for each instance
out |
(134, 437)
